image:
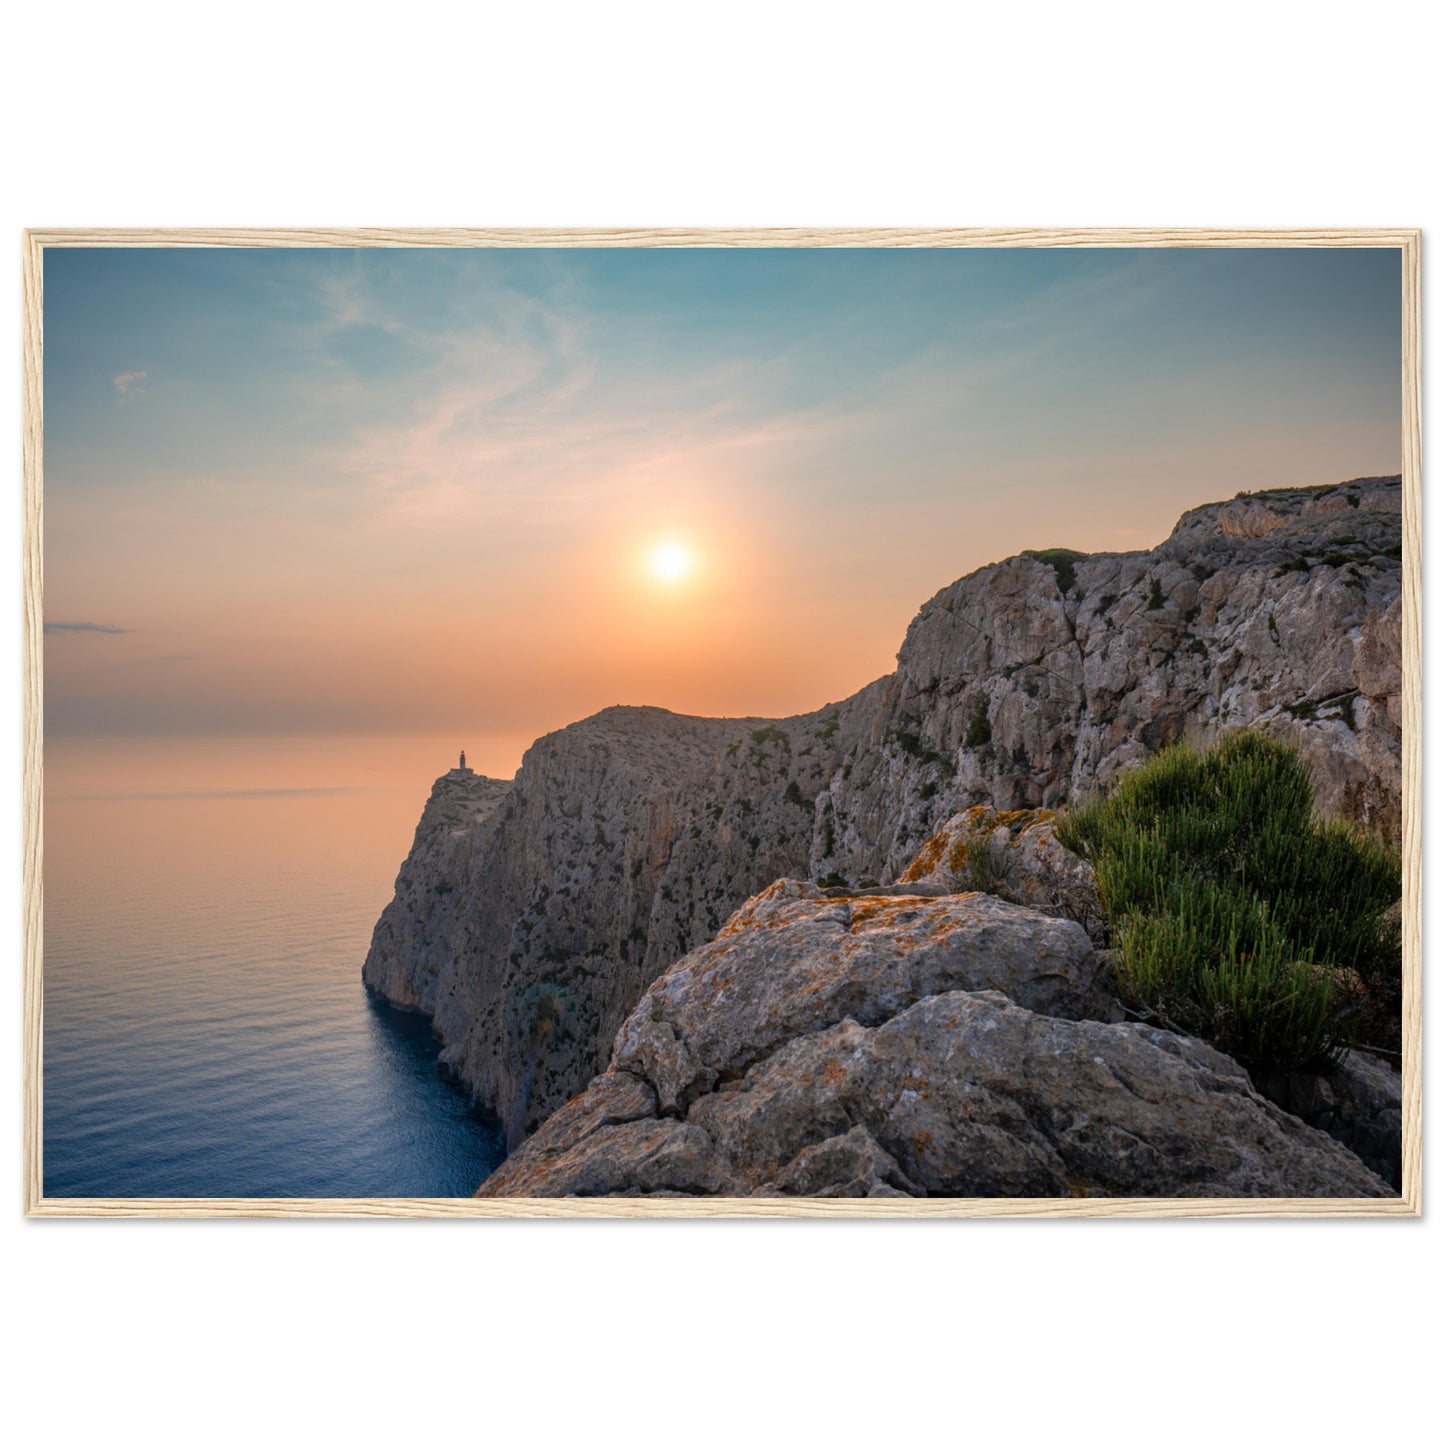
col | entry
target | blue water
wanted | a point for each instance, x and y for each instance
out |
(206, 1030)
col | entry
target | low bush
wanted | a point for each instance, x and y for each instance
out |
(1062, 560)
(1237, 914)
(913, 745)
(981, 871)
(980, 731)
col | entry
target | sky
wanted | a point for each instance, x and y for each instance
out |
(483, 493)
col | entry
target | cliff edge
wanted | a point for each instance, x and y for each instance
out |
(531, 916)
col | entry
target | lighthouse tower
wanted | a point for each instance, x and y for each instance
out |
(462, 765)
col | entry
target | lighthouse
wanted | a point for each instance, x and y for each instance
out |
(462, 765)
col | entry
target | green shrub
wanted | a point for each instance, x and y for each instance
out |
(832, 880)
(981, 872)
(1295, 564)
(913, 745)
(980, 732)
(1238, 915)
(1062, 560)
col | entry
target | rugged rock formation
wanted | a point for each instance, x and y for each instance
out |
(1357, 1101)
(795, 959)
(1031, 682)
(421, 933)
(1017, 857)
(1014, 856)
(624, 840)
(869, 1046)
(627, 839)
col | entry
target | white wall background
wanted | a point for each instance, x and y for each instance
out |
(1260, 113)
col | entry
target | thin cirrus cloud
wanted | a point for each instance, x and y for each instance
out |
(522, 418)
(128, 383)
(459, 455)
(103, 627)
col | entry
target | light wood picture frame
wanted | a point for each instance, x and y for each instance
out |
(1407, 241)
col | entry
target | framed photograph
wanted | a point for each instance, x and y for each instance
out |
(883, 723)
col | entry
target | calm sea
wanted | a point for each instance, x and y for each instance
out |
(208, 905)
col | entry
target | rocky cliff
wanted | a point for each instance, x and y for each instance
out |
(530, 932)
(421, 933)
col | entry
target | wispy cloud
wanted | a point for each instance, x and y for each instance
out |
(86, 627)
(515, 425)
(128, 383)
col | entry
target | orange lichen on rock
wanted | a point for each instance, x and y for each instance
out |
(979, 827)
(927, 860)
(867, 911)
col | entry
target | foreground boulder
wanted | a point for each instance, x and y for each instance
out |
(795, 960)
(827, 1045)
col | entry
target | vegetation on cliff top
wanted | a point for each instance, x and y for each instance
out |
(1062, 560)
(1238, 915)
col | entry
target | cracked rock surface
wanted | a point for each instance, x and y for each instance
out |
(869, 1046)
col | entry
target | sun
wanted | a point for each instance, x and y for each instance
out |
(670, 562)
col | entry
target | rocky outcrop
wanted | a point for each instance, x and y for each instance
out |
(871, 1046)
(627, 839)
(624, 840)
(795, 959)
(1356, 1100)
(422, 933)
(1015, 856)
(1034, 681)
(1018, 857)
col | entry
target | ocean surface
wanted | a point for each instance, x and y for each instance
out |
(208, 906)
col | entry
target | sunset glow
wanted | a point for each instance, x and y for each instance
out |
(483, 493)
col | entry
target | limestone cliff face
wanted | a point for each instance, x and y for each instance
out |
(625, 840)
(1028, 683)
(530, 932)
(421, 933)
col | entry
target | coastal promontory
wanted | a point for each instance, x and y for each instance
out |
(534, 919)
